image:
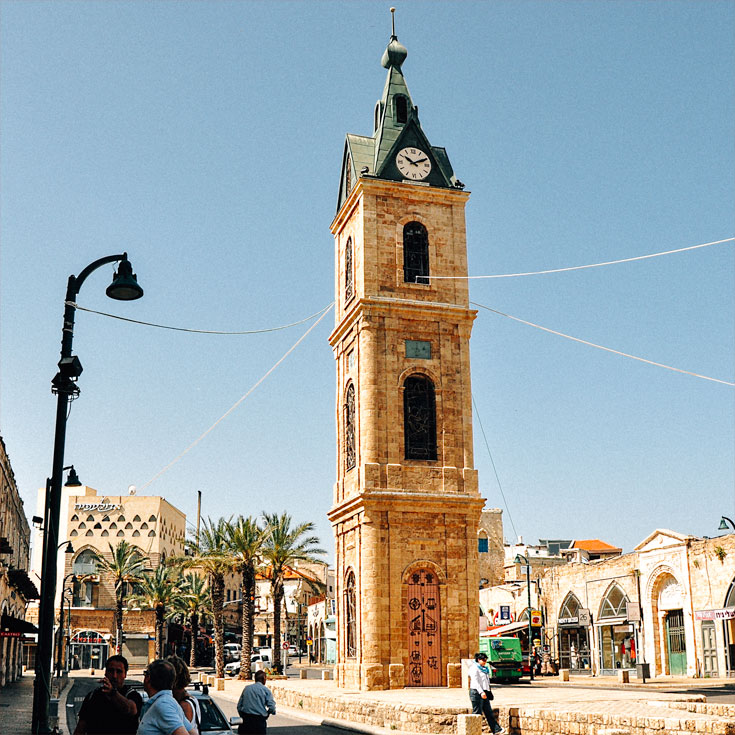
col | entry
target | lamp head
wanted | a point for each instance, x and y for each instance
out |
(723, 524)
(69, 548)
(518, 559)
(124, 286)
(72, 479)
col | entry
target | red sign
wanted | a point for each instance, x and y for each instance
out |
(285, 646)
(9, 634)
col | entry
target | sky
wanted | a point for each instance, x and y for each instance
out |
(205, 139)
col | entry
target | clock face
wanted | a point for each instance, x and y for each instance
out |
(413, 163)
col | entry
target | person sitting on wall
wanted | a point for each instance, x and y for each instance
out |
(113, 707)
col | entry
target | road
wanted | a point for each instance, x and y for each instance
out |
(277, 725)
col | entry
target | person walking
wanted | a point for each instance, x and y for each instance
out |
(162, 714)
(480, 694)
(113, 707)
(255, 704)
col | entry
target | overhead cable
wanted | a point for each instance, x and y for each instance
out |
(202, 331)
(581, 267)
(492, 461)
(239, 400)
(601, 347)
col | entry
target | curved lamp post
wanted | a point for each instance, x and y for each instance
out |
(124, 287)
(517, 560)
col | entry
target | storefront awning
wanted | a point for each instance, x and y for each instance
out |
(503, 629)
(11, 624)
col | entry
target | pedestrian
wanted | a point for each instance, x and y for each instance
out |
(255, 704)
(113, 707)
(480, 694)
(187, 703)
(162, 714)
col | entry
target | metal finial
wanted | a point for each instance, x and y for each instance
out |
(393, 21)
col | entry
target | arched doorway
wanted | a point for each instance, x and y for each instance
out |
(615, 635)
(574, 648)
(423, 615)
(88, 649)
(667, 606)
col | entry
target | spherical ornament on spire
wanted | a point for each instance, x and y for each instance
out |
(394, 55)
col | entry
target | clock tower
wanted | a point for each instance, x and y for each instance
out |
(406, 502)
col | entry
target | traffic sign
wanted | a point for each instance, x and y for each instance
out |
(284, 646)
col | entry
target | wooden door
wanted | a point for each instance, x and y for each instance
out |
(423, 614)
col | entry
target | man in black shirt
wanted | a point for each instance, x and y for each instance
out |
(113, 708)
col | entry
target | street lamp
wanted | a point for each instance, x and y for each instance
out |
(723, 523)
(124, 287)
(517, 560)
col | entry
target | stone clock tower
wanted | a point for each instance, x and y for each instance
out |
(406, 501)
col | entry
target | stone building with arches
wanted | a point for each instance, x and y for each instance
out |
(670, 603)
(92, 523)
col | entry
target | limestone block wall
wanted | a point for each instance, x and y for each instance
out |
(490, 563)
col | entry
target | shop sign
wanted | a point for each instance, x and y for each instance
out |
(505, 614)
(569, 621)
(98, 506)
(536, 618)
(9, 634)
(584, 616)
(727, 613)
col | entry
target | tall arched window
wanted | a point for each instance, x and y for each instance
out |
(419, 418)
(570, 607)
(348, 270)
(415, 253)
(85, 563)
(349, 427)
(350, 617)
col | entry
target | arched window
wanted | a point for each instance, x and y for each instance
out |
(113, 525)
(82, 525)
(105, 518)
(75, 517)
(121, 518)
(136, 533)
(378, 115)
(89, 533)
(90, 517)
(128, 525)
(401, 108)
(137, 518)
(74, 533)
(151, 533)
(98, 525)
(419, 418)
(614, 604)
(348, 175)
(349, 290)
(120, 533)
(105, 533)
(570, 607)
(85, 563)
(350, 616)
(152, 519)
(415, 253)
(349, 427)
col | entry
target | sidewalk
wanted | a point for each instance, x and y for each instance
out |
(16, 705)
(543, 705)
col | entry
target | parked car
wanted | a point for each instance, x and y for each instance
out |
(293, 651)
(232, 669)
(232, 652)
(213, 720)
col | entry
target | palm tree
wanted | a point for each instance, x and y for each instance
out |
(157, 591)
(245, 539)
(284, 547)
(125, 565)
(193, 603)
(209, 553)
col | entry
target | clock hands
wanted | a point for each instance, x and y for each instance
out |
(415, 163)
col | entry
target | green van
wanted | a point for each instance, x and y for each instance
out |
(504, 657)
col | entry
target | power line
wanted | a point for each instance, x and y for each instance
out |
(581, 267)
(238, 402)
(492, 461)
(601, 347)
(202, 331)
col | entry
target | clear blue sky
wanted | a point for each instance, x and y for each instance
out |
(205, 138)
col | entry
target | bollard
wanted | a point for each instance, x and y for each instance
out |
(563, 674)
(326, 675)
(624, 676)
(302, 674)
(220, 685)
(469, 724)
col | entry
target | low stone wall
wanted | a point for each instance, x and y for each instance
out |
(516, 720)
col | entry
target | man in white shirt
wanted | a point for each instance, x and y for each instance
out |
(255, 704)
(480, 694)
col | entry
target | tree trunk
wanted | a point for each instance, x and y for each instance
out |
(277, 594)
(248, 589)
(218, 600)
(119, 623)
(194, 623)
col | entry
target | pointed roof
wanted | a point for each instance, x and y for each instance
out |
(396, 125)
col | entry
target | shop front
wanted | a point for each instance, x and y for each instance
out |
(88, 649)
(616, 637)
(574, 645)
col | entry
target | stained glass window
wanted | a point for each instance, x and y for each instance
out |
(349, 427)
(415, 253)
(350, 616)
(419, 418)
